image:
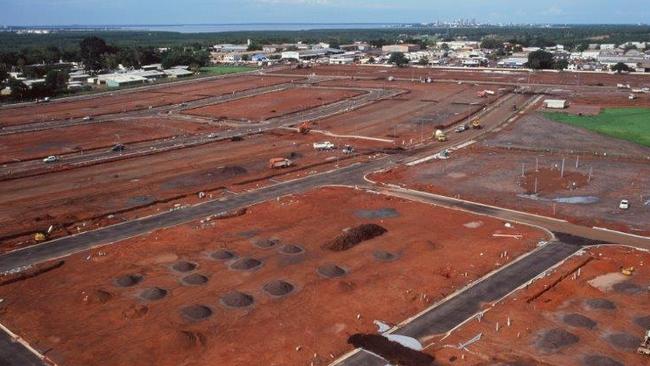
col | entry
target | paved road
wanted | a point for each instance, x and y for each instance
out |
(14, 354)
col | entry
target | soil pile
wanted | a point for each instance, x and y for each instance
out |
(195, 280)
(331, 271)
(384, 256)
(393, 352)
(556, 339)
(184, 267)
(600, 304)
(291, 249)
(627, 288)
(266, 243)
(355, 236)
(246, 264)
(578, 320)
(128, 280)
(230, 171)
(237, 299)
(624, 341)
(597, 360)
(278, 288)
(643, 321)
(196, 312)
(153, 294)
(222, 255)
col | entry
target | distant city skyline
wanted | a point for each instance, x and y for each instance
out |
(118, 12)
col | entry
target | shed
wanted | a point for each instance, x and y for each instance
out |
(555, 103)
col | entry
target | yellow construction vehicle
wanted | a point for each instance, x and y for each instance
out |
(627, 271)
(476, 124)
(304, 128)
(39, 237)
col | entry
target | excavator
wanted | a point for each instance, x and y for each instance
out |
(304, 128)
(644, 348)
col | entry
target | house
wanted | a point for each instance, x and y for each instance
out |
(259, 57)
(152, 67)
(227, 47)
(403, 47)
(121, 80)
(344, 59)
(513, 63)
(555, 104)
(607, 46)
(176, 72)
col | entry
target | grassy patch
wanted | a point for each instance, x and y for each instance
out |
(631, 124)
(222, 70)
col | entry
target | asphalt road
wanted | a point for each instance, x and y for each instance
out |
(14, 354)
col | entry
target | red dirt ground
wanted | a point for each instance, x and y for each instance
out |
(509, 76)
(38, 144)
(74, 196)
(130, 101)
(275, 104)
(426, 104)
(493, 176)
(518, 343)
(81, 319)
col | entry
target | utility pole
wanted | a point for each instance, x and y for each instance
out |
(577, 161)
(562, 172)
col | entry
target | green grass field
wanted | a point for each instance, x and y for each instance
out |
(631, 124)
(222, 70)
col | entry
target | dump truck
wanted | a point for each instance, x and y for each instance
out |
(440, 136)
(279, 163)
(644, 348)
(326, 145)
(476, 124)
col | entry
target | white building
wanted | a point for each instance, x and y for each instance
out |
(555, 103)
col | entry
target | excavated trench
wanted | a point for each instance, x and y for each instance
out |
(195, 280)
(223, 255)
(184, 267)
(196, 312)
(128, 280)
(331, 271)
(153, 294)
(237, 299)
(278, 288)
(354, 236)
(246, 264)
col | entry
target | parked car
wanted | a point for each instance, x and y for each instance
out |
(51, 159)
(87, 118)
(624, 205)
(462, 128)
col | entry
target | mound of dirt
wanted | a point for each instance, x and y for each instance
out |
(291, 249)
(598, 360)
(643, 321)
(246, 264)
(98, 297)
(331, 271)
(184, 267)
(223, 255)
(135, 312)
(354, 237)
(153, 294)
(230, 171)
(579, 321)
(128, 280)
(384, 256)
(195, 280)
(555, 339)
(196, 312)
(237, 299)
(623, 340)
(278, 288)
(266, 243)
(393, 352)
(600, 304)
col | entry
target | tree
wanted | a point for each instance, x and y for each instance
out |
(18, 89)
(92, 50)
(4, 73)
(424, 61)
(445, 46)
(491, 44)
(540, 60)
(371, 60)
(620, 68)
(561, 64)
(56, 80)
(254, 46)
(398, 59)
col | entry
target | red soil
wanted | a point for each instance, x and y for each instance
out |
(529, 316)
(509, 76)
(81, 319)
(37, 144)
(269, 105)
(550, 180)
(76, 198)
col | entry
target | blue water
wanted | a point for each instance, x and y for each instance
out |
(214, 28)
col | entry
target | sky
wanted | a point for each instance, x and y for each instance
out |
(119, 12)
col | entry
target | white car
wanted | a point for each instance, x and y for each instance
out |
(624, 205)
(50, 159)
(87, 118)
